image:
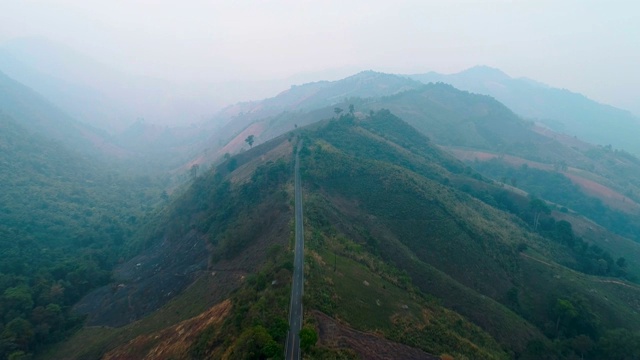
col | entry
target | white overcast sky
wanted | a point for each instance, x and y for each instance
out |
(592, 47)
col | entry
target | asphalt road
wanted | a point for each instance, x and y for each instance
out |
(297, 288)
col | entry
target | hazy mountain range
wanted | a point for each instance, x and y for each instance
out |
(112, 100)
(559, 109)
(97, 95)
(439, 222)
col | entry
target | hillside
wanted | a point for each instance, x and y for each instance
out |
(295, 103)
(242, 211)
(403, 244)
(482, 128)
(559, 109)
(219, 240)
(476, 128)
(604, 182)
(65, 221)
(455, 248)
(36, 114)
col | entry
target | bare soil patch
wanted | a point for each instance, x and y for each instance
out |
(172, 342)
(332, 334)
(608, 196)
(150, 280)
(604, 193)
(146, 282)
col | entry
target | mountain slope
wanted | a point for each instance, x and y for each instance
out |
(65, 221)
(559, 109)
(36, 114)
(477, 127)
(454, 247)
(301, 99)
(393, 223)
(239, 209)
(402, 242)
(206, 246)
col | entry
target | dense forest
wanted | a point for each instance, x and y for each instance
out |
(65, 221)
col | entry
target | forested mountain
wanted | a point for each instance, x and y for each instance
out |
(438, 223)
(65, 221)
(402, 240)
(420, 222)
(476, 128)
(559, 109)
(598, 183)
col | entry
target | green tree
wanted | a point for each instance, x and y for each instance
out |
(19, 298)
(249, 140)
(279, 328)
(19, 331)
(232, 164)
(564, 312)
(564, 233)
(308, 338)
(538, 208)
(254, 343)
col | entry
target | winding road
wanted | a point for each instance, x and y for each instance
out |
(297, 288)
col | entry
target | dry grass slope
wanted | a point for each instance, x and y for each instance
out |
(172, 342)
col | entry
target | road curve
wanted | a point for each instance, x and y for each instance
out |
(292, 351)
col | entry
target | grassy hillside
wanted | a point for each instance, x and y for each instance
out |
(556, 186)
(454, 117)
(300, 105)
(240, 214)
(460, 121)
(243, 208)
(468, 122)
(401, 203)
(405, 244)
(481, 128)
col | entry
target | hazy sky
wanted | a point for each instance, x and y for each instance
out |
(591, 47)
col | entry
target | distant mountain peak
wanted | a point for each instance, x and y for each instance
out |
(367, 74)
